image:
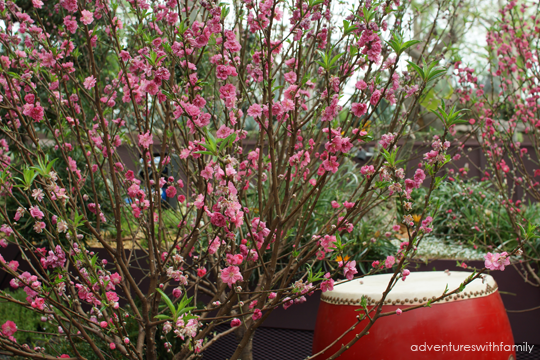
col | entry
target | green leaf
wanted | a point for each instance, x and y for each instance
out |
(185, 301)
(435, 74)
(347, 29)
(335, 58)
(15, 75)
(451, 117)
(204, 152)
(231, 138)
(398, 45)
(182, 27)
(227, 141)
(185, 310)
(225, 10)
(368, 15)
(163, 317)
(417, 69)
(168, 302)
(409, 43)
(321, 64)
(94, 260)
(211, 143)
(390, 157)
(363, 301)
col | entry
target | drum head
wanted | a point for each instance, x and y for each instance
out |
(418, 288)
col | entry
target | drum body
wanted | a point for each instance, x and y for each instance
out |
(471, 325)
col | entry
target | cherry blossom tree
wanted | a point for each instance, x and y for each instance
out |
(504, 120)
(241, 115)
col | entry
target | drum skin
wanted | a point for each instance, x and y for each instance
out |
(477, 321)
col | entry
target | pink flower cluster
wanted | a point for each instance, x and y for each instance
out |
(496, 261)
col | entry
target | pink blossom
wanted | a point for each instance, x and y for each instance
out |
(9, 328)
(406, 273)
(55, 258)
(224, 131)
(171, 191)
(151, 87)
(71, 24)
(228, 94)
(287, 303)
(390, 261)
(257, 314)
(36, 213)
(387, 139)
(425, 224)
(375, 97)
(367, 170)
(231, 275)
(177, 292)
(145, 140)
(335, 204)
(348, 205)
(290, 77)
(255, 111)
(89, 82)
(328, 243)
(125, 56)
(361, 85)
(411, 90)
(116, 278)
(359, 109)
(35, 111)
(13, 265)
(217, 219)
(399, 311)
(327, 285)
(349, 269)
(201, 272)
(496, 261)
(87, 17)
(112, 296)
(207, 172)
(419, 177)
(236, 322)
(214, 245)
(38, 303)
(331, 164)
(223, 72)
(232, 45)
(235, 259)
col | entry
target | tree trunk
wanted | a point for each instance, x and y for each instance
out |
(247, 351)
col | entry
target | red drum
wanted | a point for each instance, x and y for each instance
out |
(470, 325)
